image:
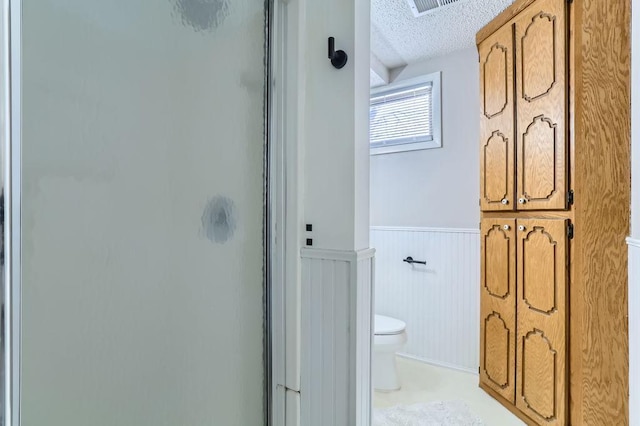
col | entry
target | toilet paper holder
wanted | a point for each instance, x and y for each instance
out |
(410, 261)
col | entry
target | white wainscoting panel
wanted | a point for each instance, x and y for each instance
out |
(634, 331)
(292, 415)
(336, 356)
(440, 302)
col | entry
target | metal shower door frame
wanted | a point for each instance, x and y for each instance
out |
(10, 183)
(10, 41)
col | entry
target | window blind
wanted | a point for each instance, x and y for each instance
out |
(402, 116)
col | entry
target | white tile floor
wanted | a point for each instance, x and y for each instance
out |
(424, 382)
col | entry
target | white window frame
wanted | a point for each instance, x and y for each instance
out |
(436, 96)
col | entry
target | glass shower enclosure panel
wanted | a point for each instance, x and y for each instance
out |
(143, 213)
(4, 141)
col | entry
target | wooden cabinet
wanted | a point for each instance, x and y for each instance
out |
(523, 314)
(527, 57)
(541, 113)
(524, 153)
(498, 306)
(497, 154)
(554, 122)
(541, 355)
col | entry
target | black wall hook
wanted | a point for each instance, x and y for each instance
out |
(338, 58)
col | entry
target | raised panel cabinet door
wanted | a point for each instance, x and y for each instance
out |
(541, 380)
(497, 306)
(541, 103)
(497, 138)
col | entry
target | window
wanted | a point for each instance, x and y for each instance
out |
(406, 116)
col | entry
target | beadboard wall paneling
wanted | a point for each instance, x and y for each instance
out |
(292, 415)
(634, 331)
(362, 346)
(336, 301)
(440, 302)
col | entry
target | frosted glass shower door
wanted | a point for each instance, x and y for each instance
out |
(142, 203)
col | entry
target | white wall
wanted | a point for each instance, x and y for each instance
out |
(435, 192)
(336, 125)
(634, 332)
(332, 144)
(435, 187)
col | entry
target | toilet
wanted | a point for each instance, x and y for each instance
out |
(389, 337)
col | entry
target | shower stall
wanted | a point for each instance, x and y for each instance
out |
(135, 232)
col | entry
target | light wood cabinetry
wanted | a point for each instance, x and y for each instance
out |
(498, 306)
(541, 374)
(497, 177)
(541, 93)
(554, 123)
(523, 350)
(530, 174)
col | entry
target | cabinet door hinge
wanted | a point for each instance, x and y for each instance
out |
(570, 197)
(570, 231)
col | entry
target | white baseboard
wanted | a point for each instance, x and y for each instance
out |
(438, 364)
(426, 229)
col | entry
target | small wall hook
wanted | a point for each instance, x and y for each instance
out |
(338, 58)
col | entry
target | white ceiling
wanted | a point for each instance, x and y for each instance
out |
(398, 38)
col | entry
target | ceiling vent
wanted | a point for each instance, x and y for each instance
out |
(423, 7)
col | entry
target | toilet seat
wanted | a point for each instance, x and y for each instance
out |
(384, 326)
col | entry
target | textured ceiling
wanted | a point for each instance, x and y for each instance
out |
(398, 38)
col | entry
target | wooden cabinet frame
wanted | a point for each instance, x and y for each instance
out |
(497, 126)
(597, 169)
(523, 319)
(523, 92)
(498, 306)
(541, 373)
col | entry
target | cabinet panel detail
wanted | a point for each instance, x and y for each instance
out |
(539, 281)
(539, 147)
(538, 57)
(496, 168)
(496, 350)
(496, 81)
(496, 274)
(539, 374)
